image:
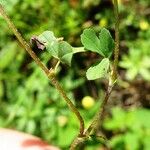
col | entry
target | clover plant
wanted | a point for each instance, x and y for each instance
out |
(103, 44)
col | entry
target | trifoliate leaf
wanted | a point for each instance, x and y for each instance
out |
(98, 71)
(90, 41)
(106, 42)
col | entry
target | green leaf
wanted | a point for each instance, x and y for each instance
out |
(118, 120)
(131, 141)
(53, 48)
(146, 143)
(58, 49)
(7, 55)
(106, 42)
(116, 142)
(50, 42)
(90, 41)
(65, 52)
(98, 71)
(1, 89)
(47, 37)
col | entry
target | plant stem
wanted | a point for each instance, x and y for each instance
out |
(50, 73)
(56, 66)
(78, 49)
(116, 51)
(68, 101)
(77, 141)
(22, 41)
(99, 116)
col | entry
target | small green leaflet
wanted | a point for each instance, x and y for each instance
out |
(58, 49)
(50, 42)
(65, 52)
(98, 71)
(91, 41)
(104, 44)
(47, 37)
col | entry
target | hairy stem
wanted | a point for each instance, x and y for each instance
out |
(50, 73)
(95, 123)
(56, 66)
(116, 51)
(22, 41)
(99, 116)
(68, 101)
(77, 141)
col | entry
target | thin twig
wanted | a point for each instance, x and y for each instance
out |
(116, 51)
(56, 66)
(99, 116)
(77, 141)
(69, 103)
(95, 123)
(97, 119)
(22, 41)
(50, 73)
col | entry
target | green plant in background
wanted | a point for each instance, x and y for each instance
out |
(138, 60)
(130, 129)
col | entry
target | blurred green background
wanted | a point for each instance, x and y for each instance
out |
(29, 103)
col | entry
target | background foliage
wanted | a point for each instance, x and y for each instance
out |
(29, 103)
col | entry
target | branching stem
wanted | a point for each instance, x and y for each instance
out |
(98, 118)
(50, 73)
(113, 77)
(56, 66)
